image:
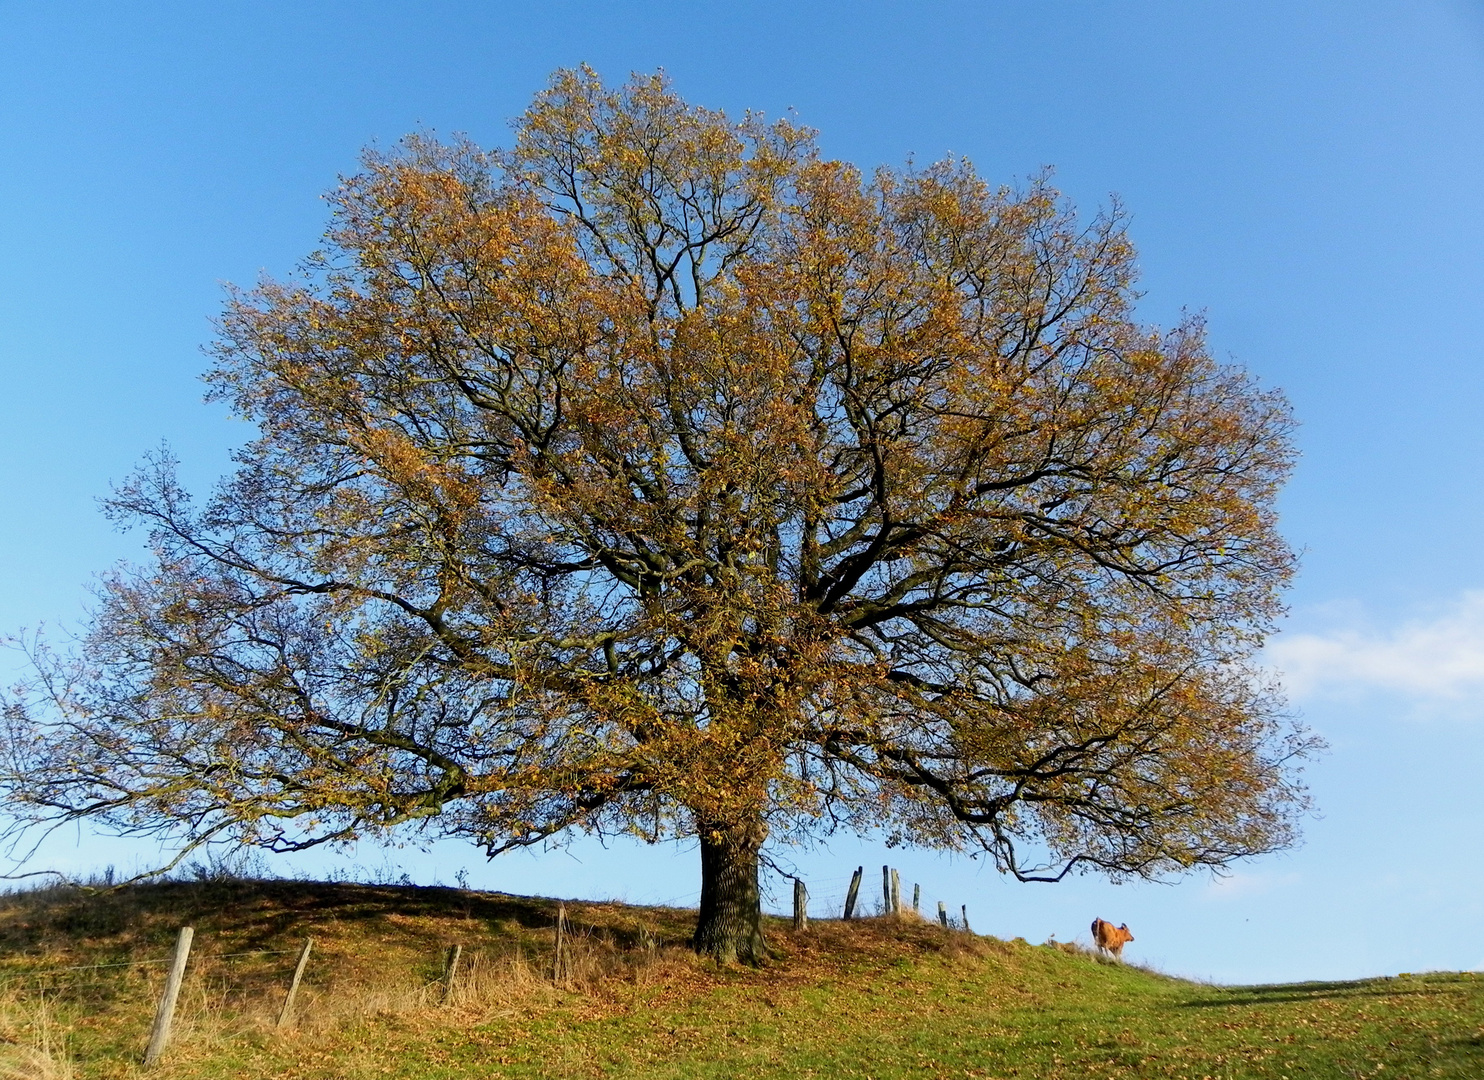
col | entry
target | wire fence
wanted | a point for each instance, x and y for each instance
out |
(248, 977)
(827, 896)
(167, 959)
(225, 973)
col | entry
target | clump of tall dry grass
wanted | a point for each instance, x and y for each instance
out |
(33, 1045)
(490, 983)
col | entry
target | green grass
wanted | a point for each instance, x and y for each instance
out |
(872, 998)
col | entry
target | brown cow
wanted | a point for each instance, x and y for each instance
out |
(1110, 938)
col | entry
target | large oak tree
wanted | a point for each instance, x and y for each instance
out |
(661, 476)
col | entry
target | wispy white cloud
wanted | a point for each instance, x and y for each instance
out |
(1436, 659)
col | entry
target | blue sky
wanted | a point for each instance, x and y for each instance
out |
(1308, 174)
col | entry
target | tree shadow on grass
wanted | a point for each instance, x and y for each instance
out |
(276, 914)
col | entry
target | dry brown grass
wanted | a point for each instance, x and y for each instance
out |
(33, 1043)
(378, 958)
(98, 956)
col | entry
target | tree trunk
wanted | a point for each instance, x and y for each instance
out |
(729, 928)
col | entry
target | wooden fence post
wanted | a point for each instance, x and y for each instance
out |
(288, 1001)
(801, 905)
(943, 914)
(561, 968)
(965, 909)
(886, 890)
(159, 1036)
(855, 888)
(916, 898)
(450, 969)
(896, 893)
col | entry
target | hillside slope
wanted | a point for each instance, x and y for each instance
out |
(872, 998)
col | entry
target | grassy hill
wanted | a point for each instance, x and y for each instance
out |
(871, 998)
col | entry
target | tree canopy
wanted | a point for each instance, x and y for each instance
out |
(658, 475)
